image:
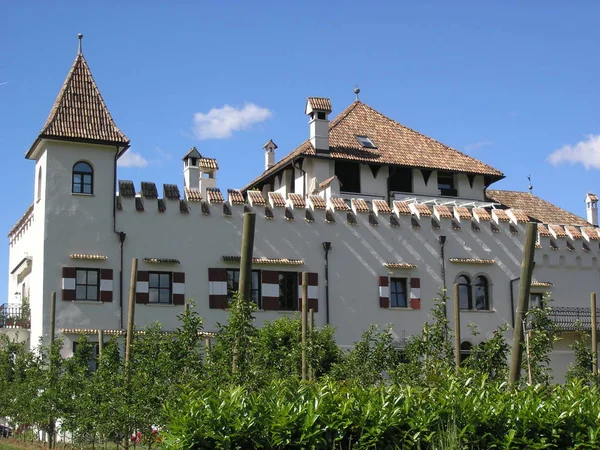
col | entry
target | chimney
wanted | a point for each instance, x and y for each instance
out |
(269, 154)
(318, 110)
(191, 169)
(591, 207)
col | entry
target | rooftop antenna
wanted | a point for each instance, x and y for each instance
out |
(530, 187)
(80, 37)
(356, 91)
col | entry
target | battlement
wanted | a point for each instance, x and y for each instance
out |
(315, 209)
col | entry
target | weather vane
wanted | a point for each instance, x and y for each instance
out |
(356, 91)
(530, 187)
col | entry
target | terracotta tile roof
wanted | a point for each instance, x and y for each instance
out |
(192, 195)
(161, 261)
(402, 208)
(535, 207)
(79, 112)
(208, 163)
(590, 233)
(276, 199)
(481, 214)
(297, 200)
(421, 209)
(327, 182)
(319, 103)
(593, 197)
(573, 232)
(543, 231)
(87, 256)
(518, 215)
(462, 213)
(256, 198)
(283, 261)
(359, 205)
(338, 204)
(234, 197)
(149, 190)
(472, 261)
(126, 188)
(393, 265)
(396, 145)
(541, 284)
(557, 231)
(21, 221)
(442, 211)
(171, 191)
(500, 215)
(214, 195)
(94, 332)
(317, 201)
(382, 207)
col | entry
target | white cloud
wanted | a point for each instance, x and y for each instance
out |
(477, 145)
(220, 123)
(585, 152)
(132, 159)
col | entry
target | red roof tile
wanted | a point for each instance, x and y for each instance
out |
(359, 205)
(462, 213)
(318, 202)
(519, 215)
(442, 211)
(339, 204)
(481, 214)
(382, 207)
(21, 221)
(421, 208)
(193, 195)
(235, 197)
(297, 200)
(214, 195)
(402, 208)
(319, 103)
(256, 198)
(590, 233)
(500, 215)
(543, 231)
(276, 199)
(558, 231)
(573, 232)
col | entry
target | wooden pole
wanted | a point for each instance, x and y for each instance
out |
(527, 338)
(311, 327)
(456, 328)
(100, 342)
(52, 316)
(131, 314)
(304, 319)
(522, 302)
(594, 334)
(246, 258)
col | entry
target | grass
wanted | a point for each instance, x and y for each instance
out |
(13, 444)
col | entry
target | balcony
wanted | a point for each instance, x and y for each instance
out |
(15, 316)
(570, 318)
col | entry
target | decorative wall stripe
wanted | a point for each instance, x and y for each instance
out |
(384, 293)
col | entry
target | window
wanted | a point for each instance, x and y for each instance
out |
(446, 184)
(87, 284)
(398, 293)
(482, 298)
(401, 179)
(535, 300)
(193, 161)
(364, 141)
(348, 173)
(233, 284)
(39, 184)
(464, 292)
(160, 288)
(83, 178)
(288, 291)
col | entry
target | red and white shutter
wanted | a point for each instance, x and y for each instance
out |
(313, 291)
(217, 288)
(415, 293)
(270, 290)
(68, 283)
(384, 292)
(142, 287)
(178, 288)
(106, 285)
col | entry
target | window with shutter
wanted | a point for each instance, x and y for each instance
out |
(217, 288)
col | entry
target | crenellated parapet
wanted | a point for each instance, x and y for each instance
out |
(315, 209)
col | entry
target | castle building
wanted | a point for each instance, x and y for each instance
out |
(380, 216)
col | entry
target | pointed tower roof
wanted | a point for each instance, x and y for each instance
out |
(79, 112)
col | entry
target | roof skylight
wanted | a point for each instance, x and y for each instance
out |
(364, 141)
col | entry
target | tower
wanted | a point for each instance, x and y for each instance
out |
(191, 169)
(318, 110)
(269, 154)
(591, 208)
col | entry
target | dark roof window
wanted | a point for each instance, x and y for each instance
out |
(364, 141)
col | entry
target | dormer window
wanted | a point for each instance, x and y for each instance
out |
(446, 184)
(83, 178)
(364, 141)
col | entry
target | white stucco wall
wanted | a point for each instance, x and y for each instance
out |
(419, 186)
(466, 191)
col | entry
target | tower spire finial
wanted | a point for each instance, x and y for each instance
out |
(80, 50)
(356, 91)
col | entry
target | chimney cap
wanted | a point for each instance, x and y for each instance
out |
(591, 197)
(317, 104)
(193, 153)
(270, 145)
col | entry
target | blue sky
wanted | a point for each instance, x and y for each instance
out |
(510, 83)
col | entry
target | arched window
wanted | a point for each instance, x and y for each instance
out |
(465, 350)
(482, 294)
(39, 184)
(83, 178)
(464, 292)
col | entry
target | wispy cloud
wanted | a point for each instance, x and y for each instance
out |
(585, 152)
(2, 83)
(221, 123)
(477, 145)
(132, 159)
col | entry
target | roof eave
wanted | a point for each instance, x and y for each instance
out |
(32, 150)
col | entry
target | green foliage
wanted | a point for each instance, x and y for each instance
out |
(581, 368)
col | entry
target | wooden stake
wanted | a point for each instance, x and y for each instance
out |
(52, 316)
(527, 338)
(594, 334)
(523, 302)
(456, 328)
(311, 327)
(304, 319)
(100, 342)
(131, 314)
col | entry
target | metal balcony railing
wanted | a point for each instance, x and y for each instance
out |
(14, 316)
(570, 318)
